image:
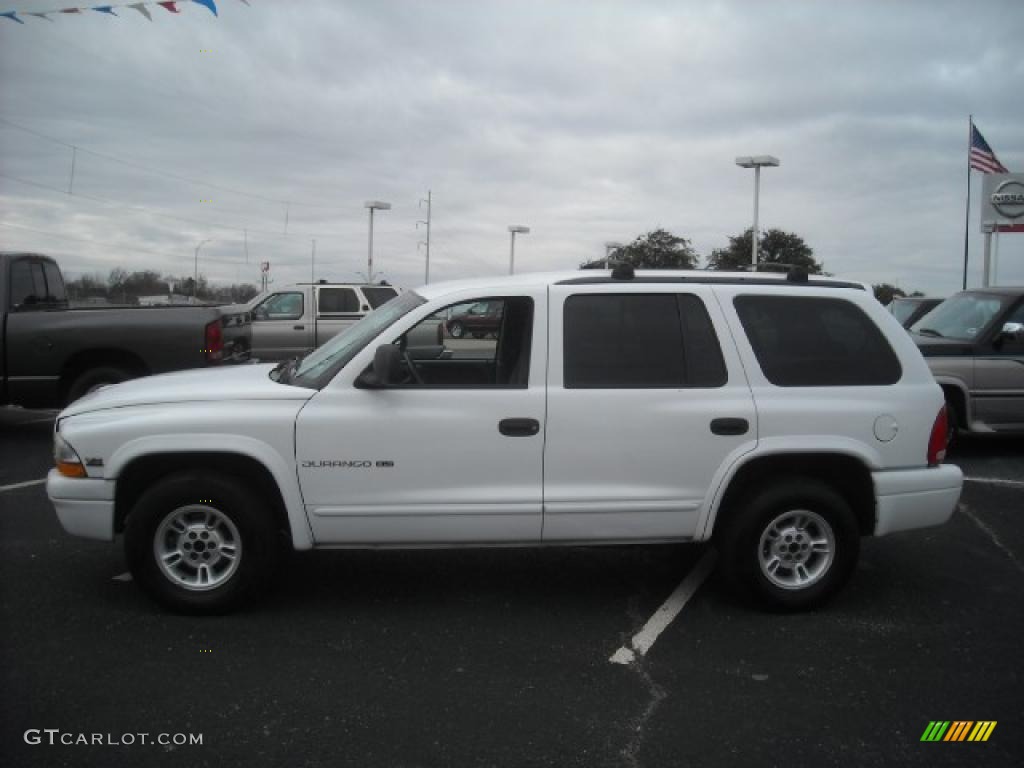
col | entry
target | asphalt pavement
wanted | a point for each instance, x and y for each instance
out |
(501, 657)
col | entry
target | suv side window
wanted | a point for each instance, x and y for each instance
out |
(808, 341)
(640, 341)
(280, 306)
(333, 301)
(490, 351)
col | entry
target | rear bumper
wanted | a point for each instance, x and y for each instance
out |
(85, 506)
(915, 498)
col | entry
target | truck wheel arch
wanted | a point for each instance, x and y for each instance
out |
(141, 462)
(87, 360)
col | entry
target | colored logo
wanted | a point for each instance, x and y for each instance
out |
(958, 730)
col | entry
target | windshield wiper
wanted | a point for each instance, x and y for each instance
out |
(930, 332)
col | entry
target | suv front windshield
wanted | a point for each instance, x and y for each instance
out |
(961, 317)
(336, 353)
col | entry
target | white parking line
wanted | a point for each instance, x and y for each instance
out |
(642, 641)
(992, 535)
(26, 484)
(122, 577)
(995, 481)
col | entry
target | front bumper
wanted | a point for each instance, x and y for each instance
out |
(85, 506)
(916, 498)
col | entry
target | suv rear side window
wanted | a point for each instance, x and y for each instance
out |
(808, 341)
(640, 341)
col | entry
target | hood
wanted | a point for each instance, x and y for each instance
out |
(234, 382)
(933, 346)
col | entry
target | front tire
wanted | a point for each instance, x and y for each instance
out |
(200, 543)
(791, 546)
(456, 330)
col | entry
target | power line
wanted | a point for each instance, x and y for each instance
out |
(168, 174)
(119, 246)
(134, 249)
(151, 212)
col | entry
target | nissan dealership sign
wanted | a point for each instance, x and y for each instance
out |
(1002, 200)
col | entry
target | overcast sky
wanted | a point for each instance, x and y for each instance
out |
(586, 121)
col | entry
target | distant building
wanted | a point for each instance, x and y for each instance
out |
(163, 299)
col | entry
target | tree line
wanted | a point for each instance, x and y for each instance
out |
(777, 250)
(123, 287)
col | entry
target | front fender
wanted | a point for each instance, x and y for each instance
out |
(281, 470)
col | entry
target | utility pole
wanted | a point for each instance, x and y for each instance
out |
(312, 264)
(426, 279)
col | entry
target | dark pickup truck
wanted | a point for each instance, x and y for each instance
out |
(51, 354)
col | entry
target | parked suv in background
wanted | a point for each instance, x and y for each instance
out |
(974, 344)
(782, 418)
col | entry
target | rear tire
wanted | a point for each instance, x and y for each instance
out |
(201, 543)
(791, 546)
(456, 330)
(94, 378)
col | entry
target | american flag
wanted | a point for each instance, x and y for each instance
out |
(982, 158)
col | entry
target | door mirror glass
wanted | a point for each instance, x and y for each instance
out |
(1012, 332)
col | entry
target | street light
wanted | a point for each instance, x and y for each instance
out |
(610, 246)
(195, 277)
(515, 229)
(373, 205)
(756, 162)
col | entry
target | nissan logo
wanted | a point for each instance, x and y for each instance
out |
(1008, 199)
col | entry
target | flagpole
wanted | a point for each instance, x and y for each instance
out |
(967, 213)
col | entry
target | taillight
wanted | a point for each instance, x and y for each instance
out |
(938, 439)
(214, 348)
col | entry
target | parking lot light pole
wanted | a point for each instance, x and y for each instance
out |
(373, 205)
(515, 229)
(610, 246)
(756, 162)
(195, 276)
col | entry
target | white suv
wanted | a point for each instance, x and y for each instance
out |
(782, 417)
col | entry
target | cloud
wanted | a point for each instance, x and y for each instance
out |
(588, 121)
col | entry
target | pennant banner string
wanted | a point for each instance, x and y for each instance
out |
(169, 5)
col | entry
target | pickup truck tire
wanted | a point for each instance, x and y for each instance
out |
(200, 542)
(456, 330)
(791, 545)
(93, 378)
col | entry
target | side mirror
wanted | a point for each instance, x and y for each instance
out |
(385, 371)
(1012, 332)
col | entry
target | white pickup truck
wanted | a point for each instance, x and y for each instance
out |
(782, 417)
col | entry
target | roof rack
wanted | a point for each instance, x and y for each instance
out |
(794, 277)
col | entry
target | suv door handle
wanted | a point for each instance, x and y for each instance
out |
(298, 327)
(729, 426)
(519, 427)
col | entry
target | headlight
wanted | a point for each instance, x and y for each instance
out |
(64, 456)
